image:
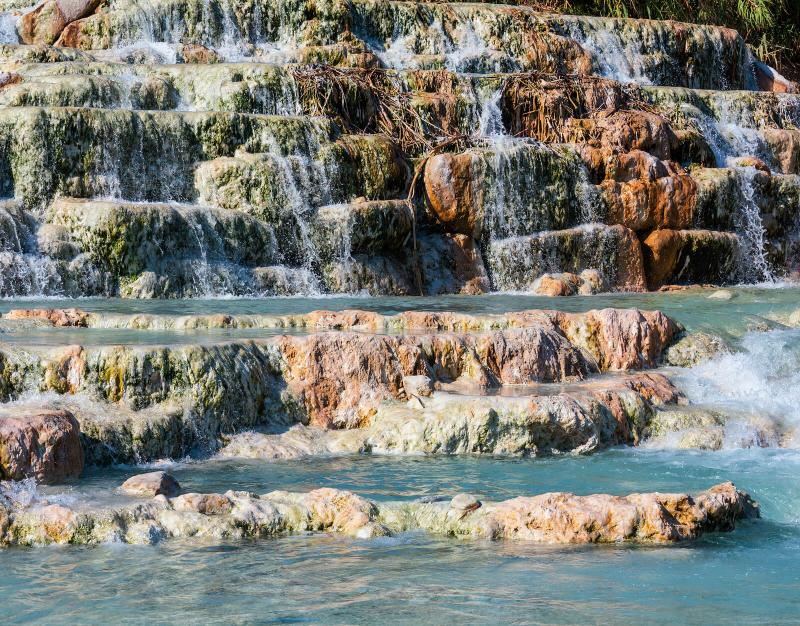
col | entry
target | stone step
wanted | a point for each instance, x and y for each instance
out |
(321, 377)
(708, 125)
(127, 238)
(469, 37)
(274, 187)
(135, 155)
(694, 257)
(515, 263)
(547, 518)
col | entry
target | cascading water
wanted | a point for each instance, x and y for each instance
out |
(612, 56)
(170, 179)
(756, 388)
(464, 51)
(8, 26)
(729, 141)
(754, 262)
(491, 124)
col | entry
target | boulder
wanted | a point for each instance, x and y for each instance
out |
(607, 165)
(556, 285)
(667, 202)
(453, 191)
(588, 283)
(46, 22)
(151, 484)
(690, 256)
(770, 80)
(44, 445)
(624, 131)
(197, 54)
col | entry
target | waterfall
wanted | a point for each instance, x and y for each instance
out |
(754, 263)
(612, 57)
(201, 269)
(761, 381)
(720, 65)
(464, 51)
(726, 137)
(729, 140)
(491, 120)
(8, 27)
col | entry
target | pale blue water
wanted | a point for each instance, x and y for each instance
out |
(749, 306)
(747, 577)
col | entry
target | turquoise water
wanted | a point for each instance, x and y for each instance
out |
(749, 306)
(749, 576)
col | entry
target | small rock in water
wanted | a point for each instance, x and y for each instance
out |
(197, 54)
(432, 499)
(151, 484)
(465, 502)
(695, 348)
(721, 294)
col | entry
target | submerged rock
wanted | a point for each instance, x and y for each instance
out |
(556, 518)
(152, 484)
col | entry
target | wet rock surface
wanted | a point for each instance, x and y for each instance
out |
(197, 149)
(45, 445)
(287, 138)
(335, 378)
(581, 419)
(548, 518)
(151, 485)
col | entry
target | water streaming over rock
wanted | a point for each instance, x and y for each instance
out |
(8, 27)
(756, 389)
(613, 57)
(169, 142)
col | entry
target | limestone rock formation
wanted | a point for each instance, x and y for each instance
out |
(168, 398)
(583, 418)
(556, 518)
(636, 167)
(695, 348)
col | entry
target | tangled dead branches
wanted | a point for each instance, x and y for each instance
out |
(367, 101)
